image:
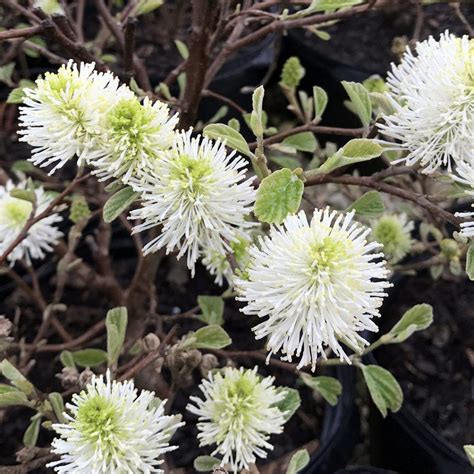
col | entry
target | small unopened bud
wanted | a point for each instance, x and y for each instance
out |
(399, 45)
(450, 249)
(208, 363)
(193, 358)
(69, 377)
(5, 326)
(85, 377)
(79, 210)
(151, 342)
(292, 73)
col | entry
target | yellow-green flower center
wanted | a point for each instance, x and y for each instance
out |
(326, 255)
(15, 212)
(192, 173)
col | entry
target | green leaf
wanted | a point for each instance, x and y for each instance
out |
(324, 5)
(469, 450)
(10, 396)
(10, 372)
(234, 123)
(354, 151)
(329, 387)
(360, 101)
(278, 195)
(90, 357)
(320, 98)
(298, 461)
(304, 141)
(6, 72)
(23, 194)
(118, 203)
(23, 166)
(285, 162)
(384, 389)
(368, 205)
(182, 48)
(209, 337)
(417, 318)
(114, 186)
(116, 324)
(233, 139)
(205, 463)
(212, 308)
(147, 6)
(470, 262)
(17, 95)
(67, 359)
(290, 403)
(256, 121)
(57, 404)
(31, 434)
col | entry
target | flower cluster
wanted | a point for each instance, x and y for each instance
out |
(316, 283)
(112, 428)
(432, 93)
(190, 188)
(14, 214)
(238, 413)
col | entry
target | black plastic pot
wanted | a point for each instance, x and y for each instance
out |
(340, 429)
(403, 441)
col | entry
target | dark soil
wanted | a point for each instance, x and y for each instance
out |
(364, 42)
(435, 366)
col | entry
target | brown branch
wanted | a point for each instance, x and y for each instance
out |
(278, 137)
(129, 47)
(20, 33)
(150, 357)
(369, 182)
(226, 100)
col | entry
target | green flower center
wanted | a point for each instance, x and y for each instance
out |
(98, 422)
(16, 211)
(326, 255)
(389, 233)
(192, 174)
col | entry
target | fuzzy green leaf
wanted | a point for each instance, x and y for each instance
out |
(290, 403)
(10, 372)
(10, 396)
(298, 461)
(417, 318)
(209, 337)
(118, 203)
(320, 98)
(384, 389)
(67, 359)
(212, 308)
(329, 387)
(304, 141)
(31, 434)
(90, 357)
(116, 324)
(278, 195)
(57, 404)
(470, 262)
(205, 463)
(256, 120)
(233, 139)
(360, 101)
(369, 205)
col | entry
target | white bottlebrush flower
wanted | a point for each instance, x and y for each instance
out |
(393, 231)
(238, 414)
(433, 96)
(198, 194)
(465, 176)
(110, 428)
(136, 133)
(317, 284)
(14, 213)
(62, 116)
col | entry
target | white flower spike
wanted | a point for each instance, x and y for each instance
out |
(466, 177)
(238, 414)
(14, 213)
(317, 284)
(433, 96)
(62, 116)
(113, 429)
(136, 134)
(198, 194)
(393, 231)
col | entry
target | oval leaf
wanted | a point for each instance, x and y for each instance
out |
(384, 389)
(329, 387)
(212, 308)
(89, 357)
(209, 337)
(360, 101)
(368, 205)
(116, 324)
(31, 434)
(233, 139)
(118, 203)
(290, 403)
(298, 461)
(304, 141)
(205, 463)
(415, 319)
(278, 195)
(320, 98)
(470, 262)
